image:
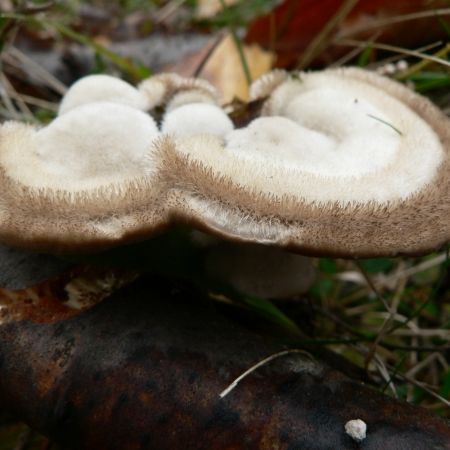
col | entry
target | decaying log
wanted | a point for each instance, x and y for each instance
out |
(20, 269)
(144, 370)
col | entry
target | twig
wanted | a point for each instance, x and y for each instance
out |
(9, 105)
(38, 70)
(167, 10)
(384, 328)
(424, 363)
(380, 23)
(23, 440)
(320, 41)
(394, 58)
(41, 103)
(421, 65)
(385, 123)
(385, 374)
(422, 386)
(394, 373)
(391, 48)
(209, 53)
(353, 53)
(238, 43)
(270, 358)
(372, 286)
(14, 94)
(423, 332)
(427, 301)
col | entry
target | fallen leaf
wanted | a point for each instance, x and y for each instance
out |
(224, 68)
(291, 27)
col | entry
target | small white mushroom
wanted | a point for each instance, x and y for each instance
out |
(356, 429)
(192, 108)
(197, 118)
(94, 88)
(161, 89)
(71, 154)
(169, 90)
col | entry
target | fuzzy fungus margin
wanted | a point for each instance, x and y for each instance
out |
(341, 162)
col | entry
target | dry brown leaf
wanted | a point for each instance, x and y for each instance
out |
(63, 296)
(224, 68)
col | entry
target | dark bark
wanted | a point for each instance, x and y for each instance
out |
(144, 370)
(20, 268)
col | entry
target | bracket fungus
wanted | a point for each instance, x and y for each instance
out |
(341, 162)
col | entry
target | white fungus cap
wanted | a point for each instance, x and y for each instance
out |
(341, 162)
(94, 88)
(197, 118)
(72, 154)
(336, 138)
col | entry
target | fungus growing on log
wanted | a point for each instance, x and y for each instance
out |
(340, 162)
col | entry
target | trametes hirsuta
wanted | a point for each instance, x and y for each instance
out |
(342, 162)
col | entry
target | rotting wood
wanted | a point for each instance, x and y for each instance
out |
(145, 369)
